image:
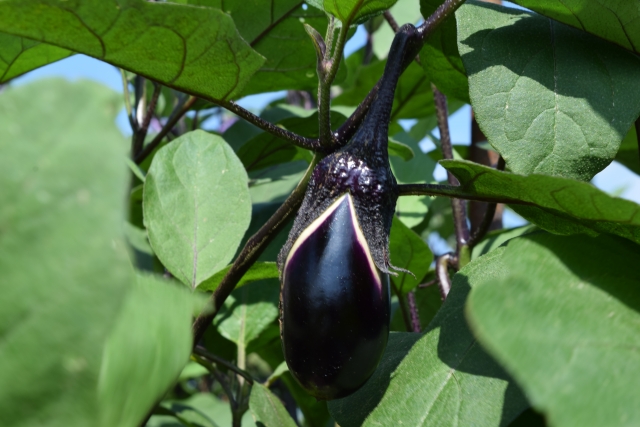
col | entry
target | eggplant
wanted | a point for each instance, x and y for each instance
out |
(334, 267)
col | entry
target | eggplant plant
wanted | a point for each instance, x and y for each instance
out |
(336, 255)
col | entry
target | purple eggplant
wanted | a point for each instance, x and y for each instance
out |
(334, 267)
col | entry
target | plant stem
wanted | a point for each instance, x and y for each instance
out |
(295, 139)
(252, 250)
(177, 114)
(458, 206)
(219, 377)
(201, 351)
(432, 23)
(141, 133)
(442, 272)
(391, 21)
(127, 101)
(413, 308)
(487, 220)
(403, 308)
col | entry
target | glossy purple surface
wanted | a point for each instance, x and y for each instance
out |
(335, 320)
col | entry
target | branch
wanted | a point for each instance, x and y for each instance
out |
(487, 220)
(251, 251)
(413, 308)
(141, 133)
(442, 272)
(295, 139)
(458, 206)
(432, 23)
(201, 351)
(177, 114)
(391, 21)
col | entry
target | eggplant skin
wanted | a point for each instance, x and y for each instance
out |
(335, 305)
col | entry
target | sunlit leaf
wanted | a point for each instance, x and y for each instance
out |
(559, 205)
(441, 378)
(65, 272)
(551, 99)
(257, 271)
(562, 315)
(197, 50)
(196, 206)
(19, 55)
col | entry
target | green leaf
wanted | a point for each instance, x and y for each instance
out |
(440, 378)
(440, 58)
(18, 56)
(403, 11)
(428, 302)
(65, 272)
(275, 183)
(496, 238)
(315, 411)
(196, 50)
(266, 408)
(196, 206)
(616, 21)
(412, 209)
(353, 12)
(410, 252)
(561, 314)
(399, 149)
(258, 271)
(551, 99)
(149, 345)
(628, 153)
(413, 97)
(199, 410)
(248, 311)
(559, 205)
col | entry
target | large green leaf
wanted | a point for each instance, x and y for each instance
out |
(196, 206)
(440, 57)
(19, 55)
(561, 314)
(274, 28)
(351, 12)
(551, 99)
(248, 311)
(64, 271)
(197, 50)
(615, 20)
(146, 351)
(441, 378)
(267, 409)
(559, 205)
(410, 252)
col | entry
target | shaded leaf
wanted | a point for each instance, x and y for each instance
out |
(527, 100)
(248, 311)
(616, 21)
(440, 58)
(149, 345)
(275, 183)
(440, 378)
(196, 206)
(561, 314)
(559, 205)
(19, 55)
(628, 153)
(199, 410)
(196, 50)
(275, 29)
(258, 271)
(494, 239)
(267, 409)
(413, 97)
(65, 272)
(399, 149)
(410, 252)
